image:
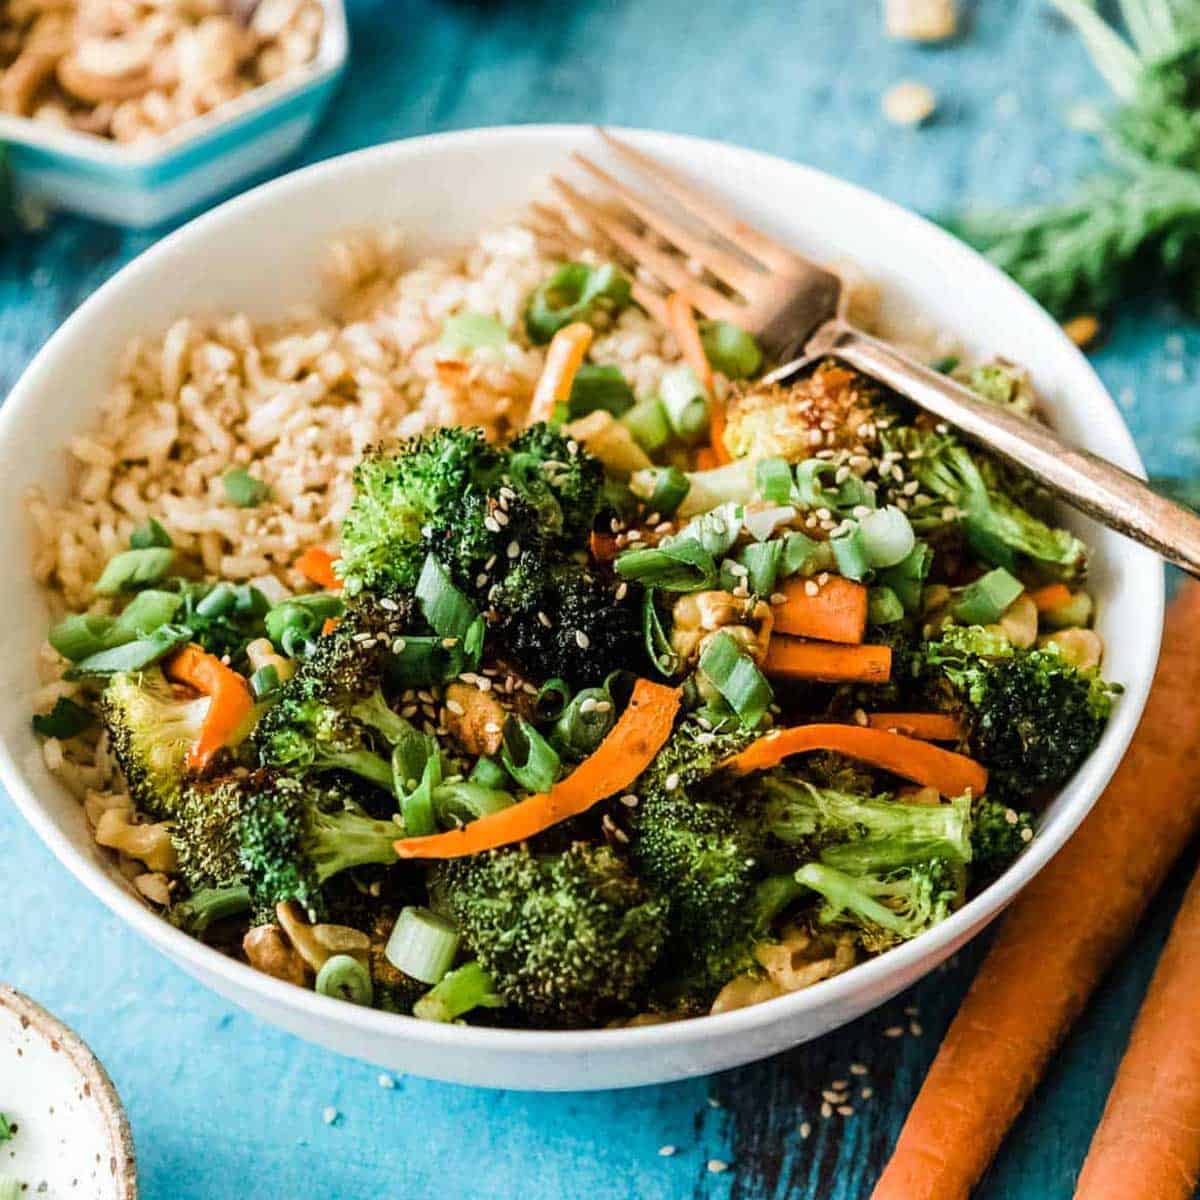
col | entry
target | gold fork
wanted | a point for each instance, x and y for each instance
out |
(796, 309)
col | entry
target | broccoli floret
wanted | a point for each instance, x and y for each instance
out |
(295, 834)
(998, 834)
(567, 621)
(1032, 716)
(871, 833)
(151, 727)
(208, 906)
(205, 830)
(398, 491)
(541, 458)
(889, 907)
(994, 524)
(568, 939)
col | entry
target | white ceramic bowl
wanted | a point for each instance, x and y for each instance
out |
(259, 253)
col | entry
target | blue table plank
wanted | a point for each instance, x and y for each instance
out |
(217, 1098)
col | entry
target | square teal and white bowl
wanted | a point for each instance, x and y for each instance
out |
(149, 184)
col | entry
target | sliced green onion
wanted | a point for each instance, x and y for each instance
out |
(473, 331)
(422, 944)
(813, 491)
(264, 681)
(463, 989)
(553, 696)
(647, 421)
(145, 613)
(850, 554)
(219, 602)
(462, 801)
(680, 567)
(883, 606)
(802, 554)
(773, 477)
(686, 402)
(446, 609)
(243, 490)
(985, 601)
(132, 656)
(149, 535)
(132, 569)
(663, 488)
(573, 293)
(732, 672)
(298, 621)
(250, 602)
(716, 531)
(658, 645)
(416, 804)
(986, 545)
(906, 578)
(82, 634)
(598, 388)
(761, 560)
(65, 720)
(584, 723)
(887, 536)
(488, 773)
(344, 978)
(423, 662)
(730, 350)
(527, 756)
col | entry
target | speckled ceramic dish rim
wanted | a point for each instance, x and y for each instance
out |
(1130, 586)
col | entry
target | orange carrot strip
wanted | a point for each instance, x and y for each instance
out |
(682, 322)
(827, 662)
(929, 727)
(624, 754)
(1147, 1145)
(952, 774)
(837, 613)
(230, 709)
(1050, 597)
(603, 546)
(706, 459)
(329, 625)
(564, 356)
(316, 565)
(1060, 937)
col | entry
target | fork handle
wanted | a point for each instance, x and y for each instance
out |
(1091, 484)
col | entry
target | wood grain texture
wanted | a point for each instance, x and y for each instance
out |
(217, 1098)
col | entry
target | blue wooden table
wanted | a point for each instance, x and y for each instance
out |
(224, 1106)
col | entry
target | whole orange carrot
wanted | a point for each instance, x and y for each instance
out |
(1059, 938)
(1147, 1146)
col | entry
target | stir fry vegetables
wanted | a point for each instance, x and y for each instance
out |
(601, 719)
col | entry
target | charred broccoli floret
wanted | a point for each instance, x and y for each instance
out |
(542, 458)
(1032, 716)
(207, 906)
(567, 939)
(998, 835)
(205, 830)
(151, 727)
(966, 492)
(295, 834)
(399, 491)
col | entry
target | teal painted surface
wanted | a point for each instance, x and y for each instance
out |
(222, 1105)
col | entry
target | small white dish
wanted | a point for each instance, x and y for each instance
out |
(72, 1140)
(260, 254)
(153, 182)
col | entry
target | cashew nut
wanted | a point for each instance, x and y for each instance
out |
(1020, 622)
(268, 951)
(150, 844)
(474, 718)
(696, 618)
(316, 944)
(20, 83)
(261, 653)
(1082, 648)
(102, 69)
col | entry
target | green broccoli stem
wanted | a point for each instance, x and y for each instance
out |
(463, 989)
(845, 893)
(209, 905)
(341, 840)
(363, 763)
(375, 712)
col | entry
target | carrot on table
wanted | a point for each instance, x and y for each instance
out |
(929, 727)
(1060, 936)
(1147, 1145)
(230, 709)
(564, 357)
(952, 774)
(835, 612)
(621, 757)
(1050, 597)
(316, 565)
(826, 662)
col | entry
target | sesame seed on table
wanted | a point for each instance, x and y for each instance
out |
(818, 1121)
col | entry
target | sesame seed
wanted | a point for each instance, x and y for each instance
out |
(481, 579)
(778, 598)
(501, 517)
(491, 524)
(388, 604)
(514, 548)
(914, 1027)
(386, 1081)
(942, 427)
(805, 1129)
(582, 640)
(572, 447)
(622, 590)
(713, 1102)
(449, 643)
(815, 437)
(841, 475)
(832, 1096)
(1010, 816)
(839, 1085)
(845, 1110)
(483, 684)
(587, 705)
(398, 646)
(408, 711)
(911, 1010)
(629, 800)
(857, 1069)
(330, 1115)
(894, 1031)
(615, 525)
(826, 1110)
(491, 727)
(672, 781)
(736, 568)
(866, 1093)
(456, 708)
(716, 1166)
(544, 620)
(666, 1151)
(491, 562)
(1027, 834)
(602, 706)
(634, 535)
(811, 588)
